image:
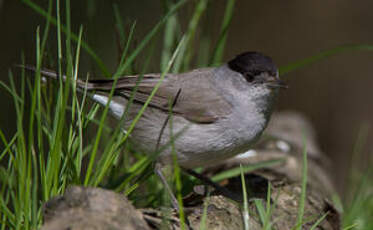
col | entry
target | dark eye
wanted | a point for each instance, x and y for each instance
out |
(249, 77)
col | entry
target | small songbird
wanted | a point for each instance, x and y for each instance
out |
(217, 112)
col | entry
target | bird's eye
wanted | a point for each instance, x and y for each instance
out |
(249, 77)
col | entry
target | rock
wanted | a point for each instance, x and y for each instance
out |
(221, 214)
(91, 208)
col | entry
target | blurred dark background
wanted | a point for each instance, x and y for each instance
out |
(336, 94)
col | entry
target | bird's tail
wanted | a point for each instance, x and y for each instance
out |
(82, 85)
(99, 95)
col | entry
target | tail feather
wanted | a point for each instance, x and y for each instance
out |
(101, 98)
(53, 75)
(125, 83)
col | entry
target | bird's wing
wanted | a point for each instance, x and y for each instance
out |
(190, 95)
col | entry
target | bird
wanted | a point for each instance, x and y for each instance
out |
(210, 114)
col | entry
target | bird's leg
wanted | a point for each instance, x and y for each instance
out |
(220, 189)
(157, 167)
(159, 173)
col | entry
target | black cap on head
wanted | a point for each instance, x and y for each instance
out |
(252, 64)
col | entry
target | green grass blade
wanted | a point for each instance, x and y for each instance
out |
(316, 224)
(186, 52)
(79, 157)
(169, 39)
(11, 92)
(148, 37)
(69, 63)
(269, 209)
(202, 225)
(302, 199)
(8, 145)
(246, 168)
(261, 210)
(126, 48)
(352, 226)
(46, 30)
(119, 24)
(321, 56)
(245, 213)
(120, 29)
(177, 174)
(74, 37)
(219, 49)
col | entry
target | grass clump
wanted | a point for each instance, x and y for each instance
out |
(50, 150)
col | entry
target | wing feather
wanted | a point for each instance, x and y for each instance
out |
(198, 100)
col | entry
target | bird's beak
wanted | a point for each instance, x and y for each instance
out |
(277, 83)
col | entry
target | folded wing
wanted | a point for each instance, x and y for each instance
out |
(192, 94)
